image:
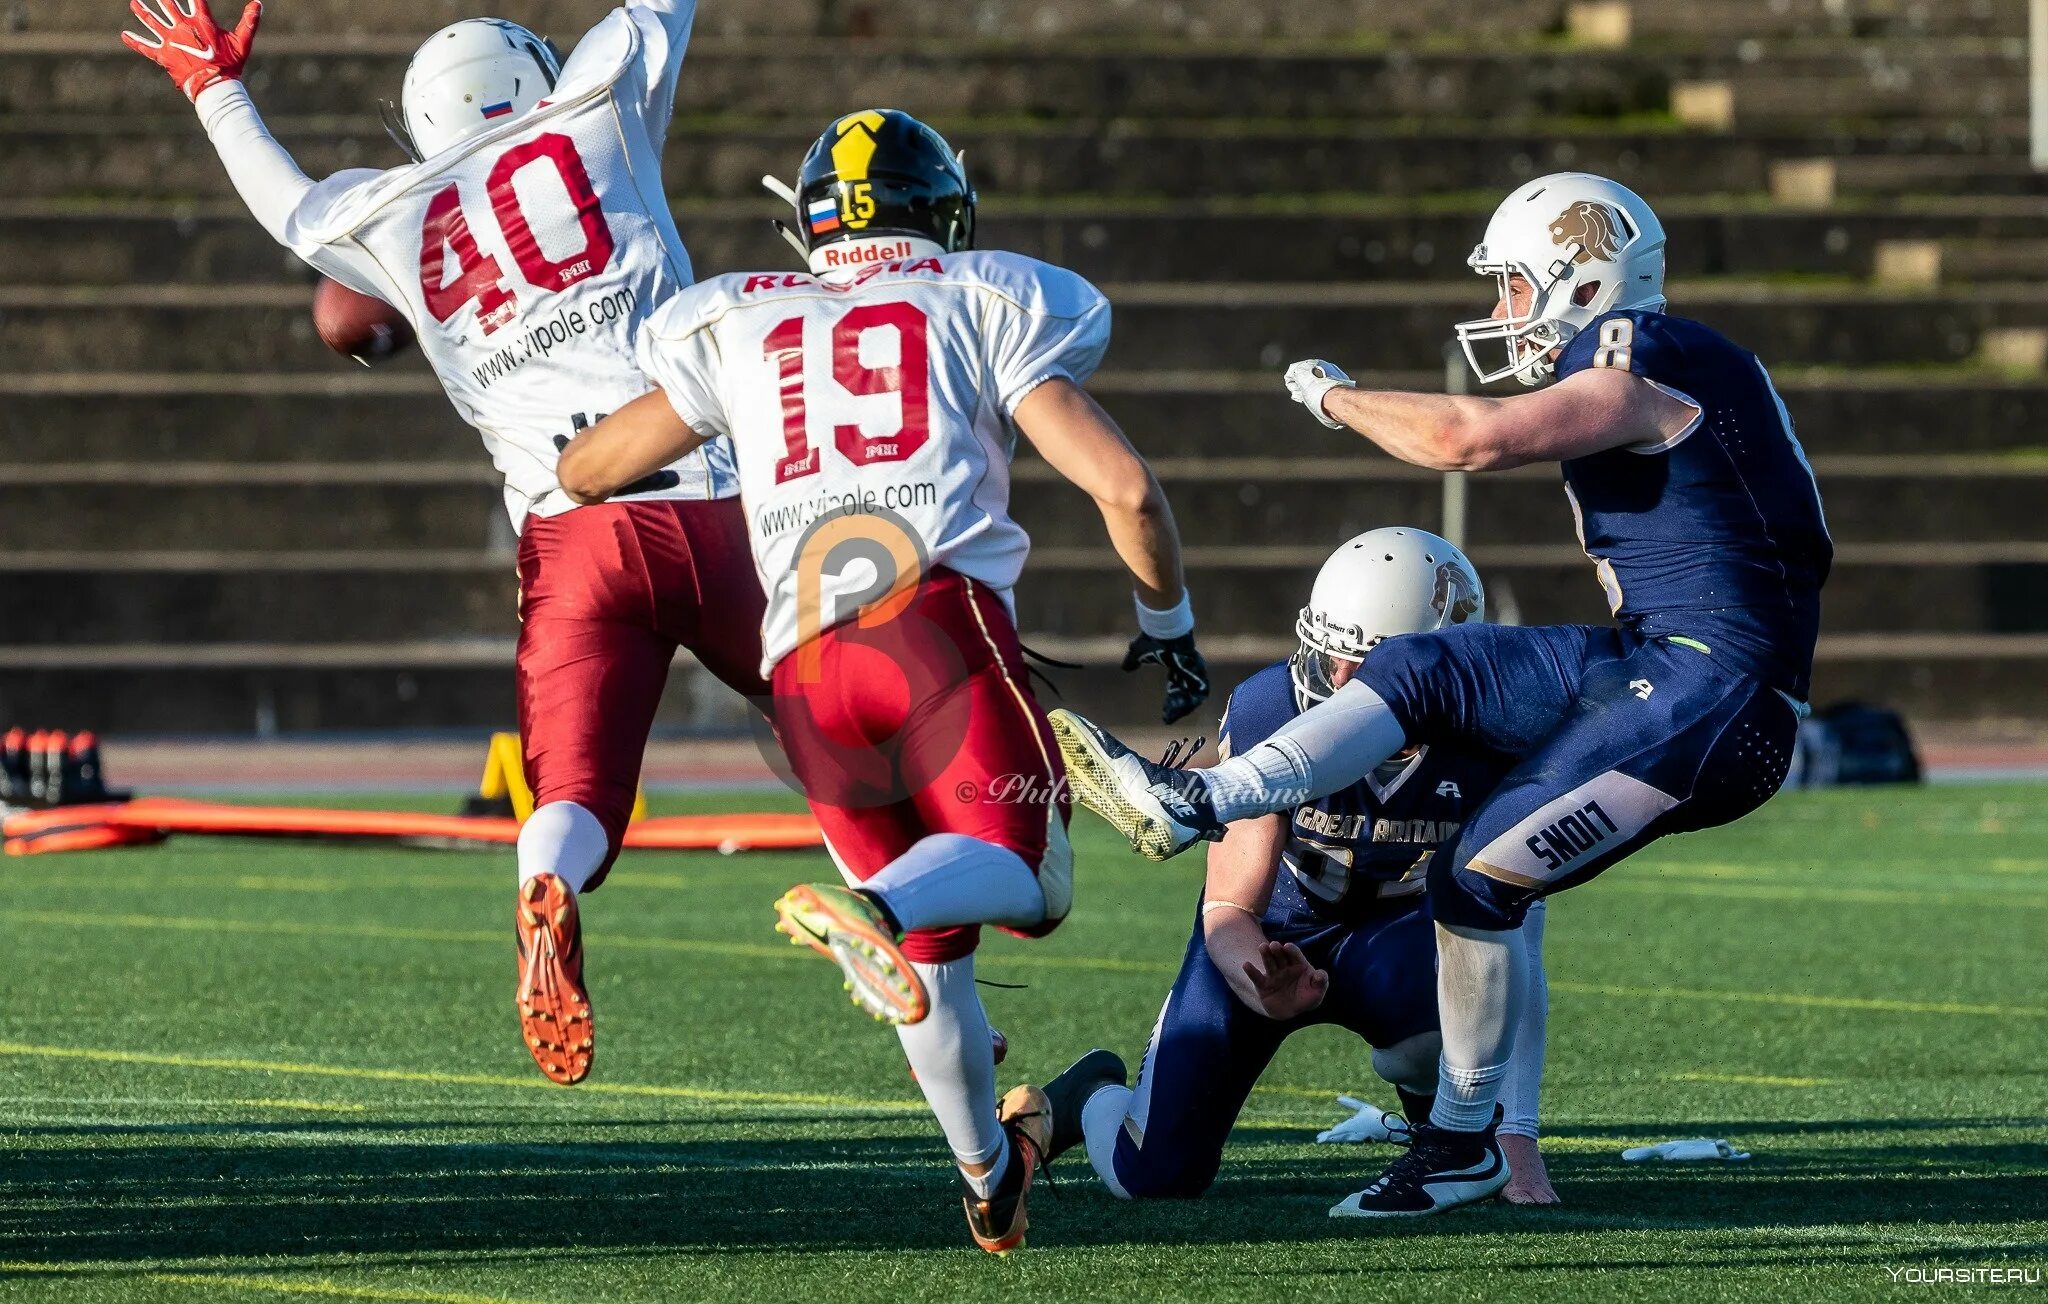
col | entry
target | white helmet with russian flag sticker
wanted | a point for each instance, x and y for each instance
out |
(467, 78)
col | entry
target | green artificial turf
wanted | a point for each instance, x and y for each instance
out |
(236, 1070)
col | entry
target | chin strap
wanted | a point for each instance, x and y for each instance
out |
(780, 189)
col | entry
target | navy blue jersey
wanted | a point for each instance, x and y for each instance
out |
(1715, 534)
(1367, 846)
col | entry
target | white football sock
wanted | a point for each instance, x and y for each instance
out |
(1102, 1122)
(1524, 1088)
(954, 1058)
(1480, 977)
(949, 879)
(1330, 746)
(563, 839)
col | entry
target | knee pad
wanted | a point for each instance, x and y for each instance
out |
(1466, 898)
(1055, 878)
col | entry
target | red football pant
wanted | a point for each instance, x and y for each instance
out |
(925, 723)
(607, 595)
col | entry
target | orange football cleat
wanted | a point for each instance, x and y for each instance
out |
(999, 1221)
(554, 1010)
(848, 929)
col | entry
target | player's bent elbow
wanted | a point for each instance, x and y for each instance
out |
(581, 487)
(1133, 491)
(1463, 444)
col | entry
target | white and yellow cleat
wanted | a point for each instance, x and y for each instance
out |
(1161, 811)
(846, 928)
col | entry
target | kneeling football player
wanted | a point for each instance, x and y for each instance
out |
(1311, 917)
(872, 405)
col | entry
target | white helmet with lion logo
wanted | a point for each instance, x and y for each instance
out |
(1586, 246)
(1394, 580)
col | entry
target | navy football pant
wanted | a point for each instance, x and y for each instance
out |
(1209, 1048)
(1621, 739)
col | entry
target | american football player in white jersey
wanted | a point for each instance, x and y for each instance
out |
(526, 243)
(872, 405)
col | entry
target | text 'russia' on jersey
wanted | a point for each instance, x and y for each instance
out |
(1717, 533)
(877, 402)
(1366, 848)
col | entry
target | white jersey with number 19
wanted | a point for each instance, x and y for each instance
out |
(885, 390)
(527, 257)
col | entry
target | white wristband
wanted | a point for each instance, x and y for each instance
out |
(1171, 623)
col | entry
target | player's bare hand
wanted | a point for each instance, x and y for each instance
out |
(1310, 381)
(181, 37)
(1187, 675)
(1287, 985)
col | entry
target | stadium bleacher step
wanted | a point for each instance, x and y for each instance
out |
(134, 157)
(375, 596)
(1271, 238)
(392, 415)
(1957, 79)
(1510, 22)
(1159, 324)
(1335, 488)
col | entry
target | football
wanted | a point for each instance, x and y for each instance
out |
(359, 326)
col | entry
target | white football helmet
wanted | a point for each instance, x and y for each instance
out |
(467, 78)
(1384, 582)
(1586, 245)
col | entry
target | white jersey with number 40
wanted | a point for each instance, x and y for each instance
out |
(528, 256)
(879, 400)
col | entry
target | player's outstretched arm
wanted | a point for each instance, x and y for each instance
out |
(1272, 978)
(663, 48)
(625, 448)
(1586, 413)
(206, 62)
(1084, 444)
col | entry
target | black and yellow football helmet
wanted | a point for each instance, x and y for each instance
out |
(881, 172)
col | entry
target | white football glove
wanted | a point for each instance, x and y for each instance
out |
(1309, 380)
(1368, 1123)
(1686, 1151)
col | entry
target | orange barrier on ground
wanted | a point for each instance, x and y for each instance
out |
(151, 819)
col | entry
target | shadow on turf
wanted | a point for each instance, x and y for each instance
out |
(344, 1188)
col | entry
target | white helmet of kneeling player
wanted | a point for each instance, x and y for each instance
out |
(1582, 246)
(1396, 580)
(468, 78)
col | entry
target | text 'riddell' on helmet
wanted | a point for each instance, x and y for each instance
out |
(876, 186)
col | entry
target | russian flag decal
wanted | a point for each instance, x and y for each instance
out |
(497, 110)
(824, 216)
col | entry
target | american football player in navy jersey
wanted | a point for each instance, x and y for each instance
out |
(1313, 915)
(1703, 521)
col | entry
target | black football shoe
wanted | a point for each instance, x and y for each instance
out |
(1441, 1170)
(1069, 1092)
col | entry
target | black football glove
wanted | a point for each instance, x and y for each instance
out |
(1187, 675)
